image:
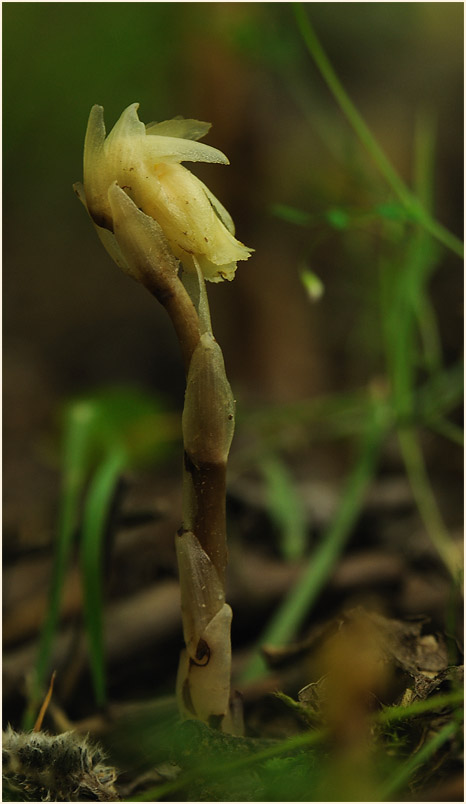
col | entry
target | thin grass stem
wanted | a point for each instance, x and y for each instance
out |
(285, 623)
(407, 198)
(448, 430)
(425, 500)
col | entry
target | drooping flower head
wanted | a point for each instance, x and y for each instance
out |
(144, 161)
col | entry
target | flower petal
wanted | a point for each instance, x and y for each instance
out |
(180, 204)
(110, 244)
(95, 135)
(94, 167)
(105, 162)
(128, 125)
(167, 147)
(217, 273)
(179, 127)
(79, 190)
(176, 149)
(222, 213)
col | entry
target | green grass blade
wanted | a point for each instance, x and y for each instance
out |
(396, 714)
(292, 215)
(296, 606)
(78, 424)
(399, 324)
(407, 198)
(94, 425)
(426, 502)
(285, 508)
(430, 335)
(342, 415)
(448, 430)
(441, 394)
(404, 280)
(402, 775)
(95, 517)
(424, 163)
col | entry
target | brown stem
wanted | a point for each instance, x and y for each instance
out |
(209, 520)
(208, 479)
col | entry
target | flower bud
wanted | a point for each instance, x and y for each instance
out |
(145, 163)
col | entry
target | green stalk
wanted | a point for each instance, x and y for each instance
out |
(411, 203)
(95, 517)
(405, 281)
(285, 623)
(425, 500)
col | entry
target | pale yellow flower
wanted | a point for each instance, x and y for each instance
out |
(144, 161)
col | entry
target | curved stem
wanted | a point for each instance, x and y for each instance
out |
(172, 295)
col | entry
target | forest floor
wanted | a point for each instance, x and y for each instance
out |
(363, 705)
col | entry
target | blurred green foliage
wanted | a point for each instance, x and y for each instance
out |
(285, 508)
(409, 255)
(300, 768)
(103, 435)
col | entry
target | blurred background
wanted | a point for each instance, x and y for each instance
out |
(71, 320)
(307, 197)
